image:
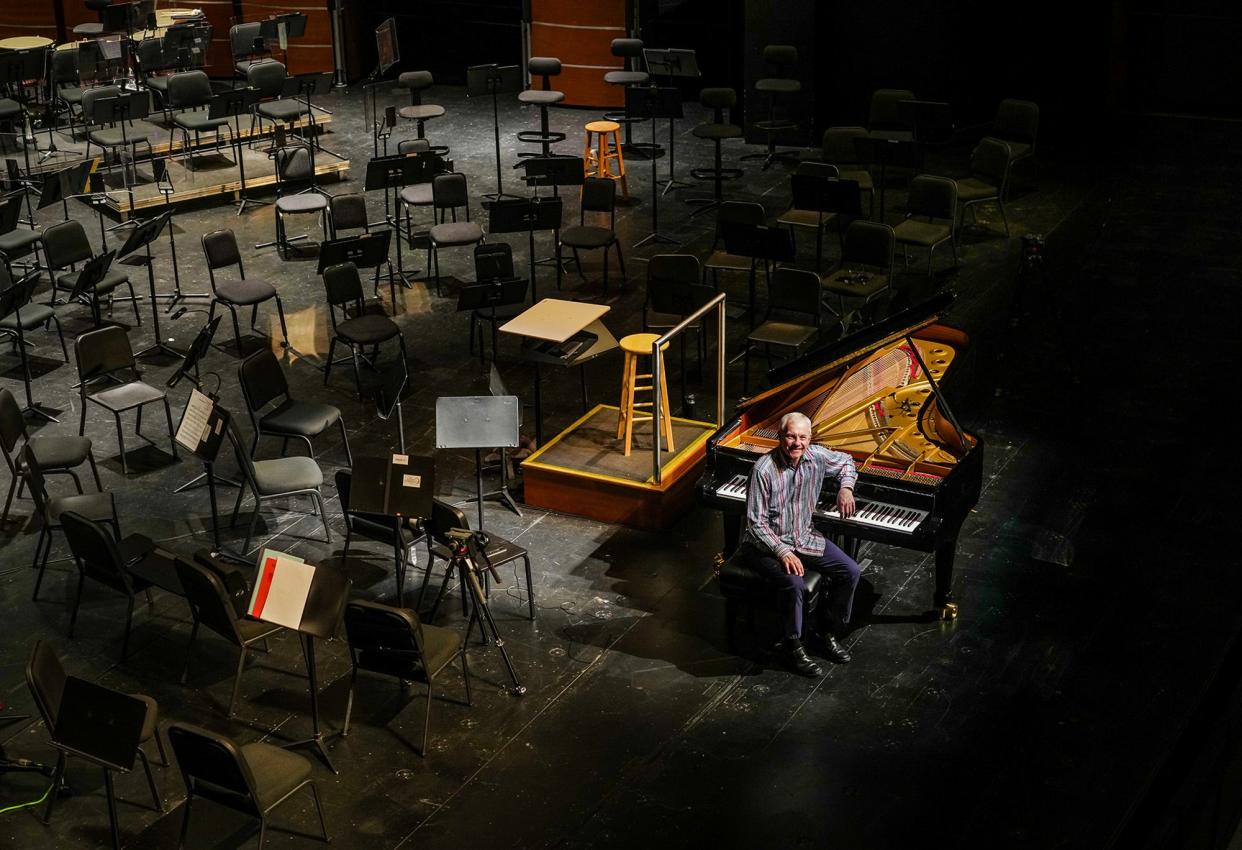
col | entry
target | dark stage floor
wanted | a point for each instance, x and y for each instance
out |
(1096, 600)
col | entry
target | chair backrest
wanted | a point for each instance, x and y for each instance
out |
(65, 244)
(740, 212)
(262, 379)
(794, 294)
(673, 284)
(100, 352)
(449, 191)
(417, 82)
(628, 48)
(816, 169)
(189, 89)
(446, 516)
(868, 243)
(349, 211)
(64, 67)
(599, 194)
(375, 628)
(91, 95)
(242, 39)
(12, 426)
(718, 99)
(546, 67)
(1017, 121)
(10, 212)
(493, 261)
(990, 161)
(839, 146)
(95, 550)
(15, 296)
(293, 162)
(45, 676)
(220, 250)
(211, 767)
(268, 77)
(780, 55)
(933, 197)
(406, 146)
(343, 286)
(883, 114)
(150, 54)
(208, 600)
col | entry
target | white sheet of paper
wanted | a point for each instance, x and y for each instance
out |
(195, 422)
(281, 588)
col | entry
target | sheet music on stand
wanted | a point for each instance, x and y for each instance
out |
(202, 427)
(281, 589)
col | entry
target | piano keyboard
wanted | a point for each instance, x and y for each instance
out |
(868, 512)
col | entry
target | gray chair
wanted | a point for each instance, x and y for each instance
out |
(211, 607)
(931, 216)
(394, 642)
(111, 129)
(599, 196)
(247, 48)
(190, 92)
(1017, 125)
(296, 164)
(717, 130)
(417, 82)
(18, 315)
(277, 478)
(254, 779)
(988, 181)
(264, 387)
(359, 328)
(630, 52)
(415, 194)
(545, 68)
(349, 212)
(103, 356)
(864, 273)
(16, 240)
(450, 193)
(816, 221)
(792, 320)
(220, 249)
(100, 507)
(65, 245)
(54, 454)
(268, 79)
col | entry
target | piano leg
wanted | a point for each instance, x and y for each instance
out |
(944, 606)
(732, 533)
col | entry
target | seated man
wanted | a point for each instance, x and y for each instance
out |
(782, 543)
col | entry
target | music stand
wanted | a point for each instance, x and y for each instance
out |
(391, 173)
(494, 80)
(516, 215)
(931, 121)
(315, 84)
(491, 295)
(479, 422)
(825, 195)
(365, 250)
(398, 486)
(201, 431)
(277, 30)
(142, 236)
(885, 148)
(654, 102)
(759, 242)
(93, 271)
(233, 103)
(388, 399)
(671, 63)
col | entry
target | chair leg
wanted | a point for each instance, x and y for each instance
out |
(284, 330)
(120, 438)
(427, 715)
(353, 353)
(349, 455)
(530, 589)
(323, 826)
(111, 793)
(35, 564)
(323, 515)
(159, 746)
(465, 675)
(185, 821)
(189, 650)
(254, 519)
(241, 664)
(58, 776)
(155, 792)
(77, 601)
(236, 330)
(349, 702)
(129, 622)
(90, 456)
(172, 436)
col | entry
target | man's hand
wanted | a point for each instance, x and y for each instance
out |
(845, 502)
(792, 564)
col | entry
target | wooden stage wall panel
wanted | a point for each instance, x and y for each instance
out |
(28, 18)
(580, 35)
(311, 52)
(221, 15)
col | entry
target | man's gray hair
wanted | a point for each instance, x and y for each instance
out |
(794, 418)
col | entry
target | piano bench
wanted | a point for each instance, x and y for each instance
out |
(742, 586)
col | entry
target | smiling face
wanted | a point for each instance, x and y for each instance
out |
(795, 439)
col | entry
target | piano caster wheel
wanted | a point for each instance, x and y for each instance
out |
(948, 611)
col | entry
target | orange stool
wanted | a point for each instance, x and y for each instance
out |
(636, 346)
(607, 153)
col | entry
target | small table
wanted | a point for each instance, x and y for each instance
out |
(567, 333)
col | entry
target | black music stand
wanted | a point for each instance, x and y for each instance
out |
(202, 430)
(142, 236)
(885, 148)
(517, 215)
(314, 84)
(494, 80)
(398, 486)
(654, 102)
(825, 195)
(16, 68)
(388, 54)
(197, 350)
(388, 399)
(233, 104)
(391, 173)
(479, 422)
(277, 30)
(759, 242)
(321, 616)
(669, 64)
(931, 121)
(366, 250)
(491, 295)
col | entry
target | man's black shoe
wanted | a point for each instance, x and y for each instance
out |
(834, 650)
(799, 660)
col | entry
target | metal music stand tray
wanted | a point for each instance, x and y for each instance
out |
(517, 215)
(494, 80)
(391, 173)
(479, 422)
(654, 102)
(233, 104)
(366, 251)
(491, 295)
(142, 236)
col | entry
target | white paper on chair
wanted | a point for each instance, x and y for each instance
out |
(281, 589)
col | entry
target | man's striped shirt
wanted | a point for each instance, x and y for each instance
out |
(781, 497)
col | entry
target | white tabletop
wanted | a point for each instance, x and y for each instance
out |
(554, 319)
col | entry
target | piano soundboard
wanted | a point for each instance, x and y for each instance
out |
(869, 512)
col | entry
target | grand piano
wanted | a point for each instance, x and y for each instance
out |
(875, 394)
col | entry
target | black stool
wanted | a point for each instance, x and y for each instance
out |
(627, 49)
(774, 89)
(740, 585)
(418, 82)
(546, 67)
(718, 129)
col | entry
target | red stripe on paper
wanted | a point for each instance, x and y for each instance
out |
(265, 585)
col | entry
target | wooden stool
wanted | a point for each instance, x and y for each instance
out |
(636, 346)
(599, 162)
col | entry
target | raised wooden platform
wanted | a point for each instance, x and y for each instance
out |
(582, 471)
